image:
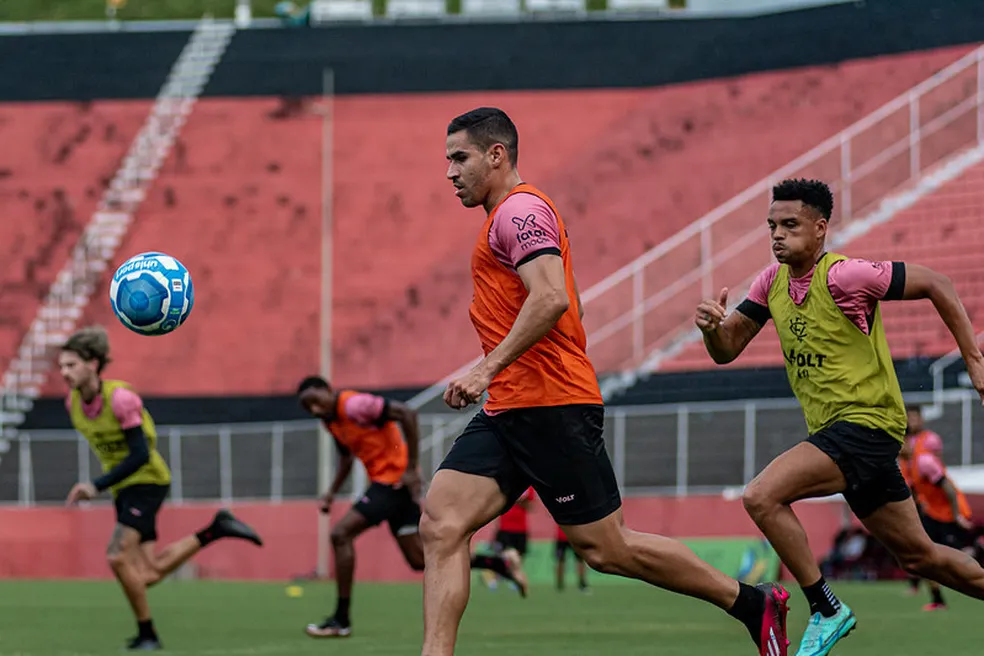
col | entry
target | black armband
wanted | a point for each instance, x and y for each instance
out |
(758, 313)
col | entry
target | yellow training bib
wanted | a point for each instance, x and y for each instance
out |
(836, 371)
(108, 442)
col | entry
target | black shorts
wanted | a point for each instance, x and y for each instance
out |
(137, 507)
(949, 534)
(394, 505)
(561, 547)
(511, 540)
(868, 458)
(559, 450)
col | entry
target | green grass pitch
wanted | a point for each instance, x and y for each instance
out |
(202, 618)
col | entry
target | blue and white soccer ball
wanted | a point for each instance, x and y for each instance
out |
(152, 293)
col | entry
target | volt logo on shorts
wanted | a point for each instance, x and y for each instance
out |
(565, 499)
(135, 511)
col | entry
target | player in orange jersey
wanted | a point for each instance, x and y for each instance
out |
(543, 421)
(384, 436)
(943, 507)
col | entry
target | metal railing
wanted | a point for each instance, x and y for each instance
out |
(886, 151)
(675, 449)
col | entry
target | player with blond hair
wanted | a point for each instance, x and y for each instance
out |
(111, 417)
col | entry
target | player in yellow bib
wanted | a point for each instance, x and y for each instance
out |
(826, 309)
(111, 417)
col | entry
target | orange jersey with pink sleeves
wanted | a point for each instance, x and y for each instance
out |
(556, 370)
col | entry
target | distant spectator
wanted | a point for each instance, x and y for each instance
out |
(292, 15)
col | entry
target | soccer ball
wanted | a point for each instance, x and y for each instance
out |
(152, 294)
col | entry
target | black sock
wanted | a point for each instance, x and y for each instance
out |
(207, 535)
(342, 611)
(748, 609)
(495, 563)
(145, 629)
(938, 597)
(914, 582)
(821, 599)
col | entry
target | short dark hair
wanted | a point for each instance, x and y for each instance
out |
(315, 382)
(488, 126)
(914, 407)
(813, 193)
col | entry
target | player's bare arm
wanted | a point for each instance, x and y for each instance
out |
(954, 499)
(345, 460)
(577, 294)
(922, 282)
(407, 418)
(725, 335)
(546, 303)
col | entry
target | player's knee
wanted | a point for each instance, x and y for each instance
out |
(340, 537)
(118, 559)
(920, 560)
(604, 560)
(152, 576)
(757, 501)
(440, 530)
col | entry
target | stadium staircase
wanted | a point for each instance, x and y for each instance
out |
(917, 161)
(75, 283)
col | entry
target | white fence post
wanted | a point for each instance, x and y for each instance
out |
(619, 431)
(683, 444)
(277, 464)
(174, 451)
(750, 418)
(225, 464)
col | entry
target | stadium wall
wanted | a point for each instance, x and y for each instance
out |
(41, 543)
(719, 384)
(526, 55)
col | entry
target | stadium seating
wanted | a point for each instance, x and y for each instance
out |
(239, 202)
(943, 231)
(55, 162)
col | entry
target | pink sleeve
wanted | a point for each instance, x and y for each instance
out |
(364, 408)
(857, 286)
(930, 466)
(522, 226)
(127, 407)
(759, 293)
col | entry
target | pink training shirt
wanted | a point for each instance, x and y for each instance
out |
(126, 404)
(856, 286)
(928, 462)
(365, 409)
(523, 227)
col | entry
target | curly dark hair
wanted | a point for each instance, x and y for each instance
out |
(813, 193)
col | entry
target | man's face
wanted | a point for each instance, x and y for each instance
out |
(914, 423)
(317, 401)
(76, 371)
(797, 230)
(469, 169)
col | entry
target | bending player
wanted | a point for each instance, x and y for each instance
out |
(561, 547)
(542, 424)
(826, 310)
(111, 417)
(368, 427)
(943, 507)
